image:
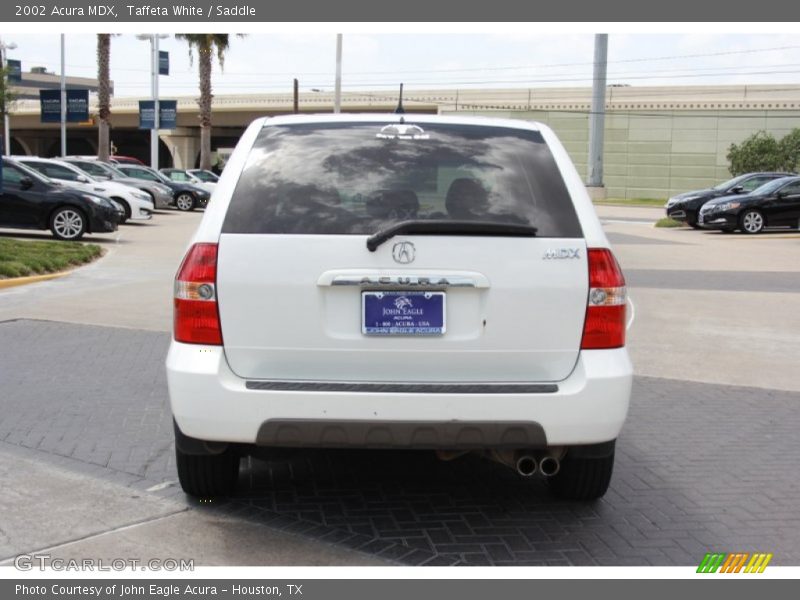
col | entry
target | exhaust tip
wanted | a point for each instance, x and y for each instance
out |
(549, 466)
(526, 465)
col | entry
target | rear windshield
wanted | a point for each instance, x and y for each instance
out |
(362, 177)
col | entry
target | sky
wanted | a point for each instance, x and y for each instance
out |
(267, 62)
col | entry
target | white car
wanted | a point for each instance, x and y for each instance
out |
(137, 205)
(196, 177)
(397, 281)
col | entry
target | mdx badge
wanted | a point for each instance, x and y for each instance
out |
(403, 252)
(556, 253)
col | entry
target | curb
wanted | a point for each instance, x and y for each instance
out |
(15, 281)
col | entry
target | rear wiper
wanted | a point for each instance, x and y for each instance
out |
(449, 227)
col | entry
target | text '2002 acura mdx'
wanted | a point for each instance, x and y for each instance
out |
(383, 281)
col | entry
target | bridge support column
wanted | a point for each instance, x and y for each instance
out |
(184, 144)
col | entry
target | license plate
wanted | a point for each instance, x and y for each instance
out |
(402, 313)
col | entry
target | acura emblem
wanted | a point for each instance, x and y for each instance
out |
(403, 252)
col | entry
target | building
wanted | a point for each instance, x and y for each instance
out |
(658, 140)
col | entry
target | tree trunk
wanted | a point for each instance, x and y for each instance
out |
(103, 94)
(205, 147)
(205, 105)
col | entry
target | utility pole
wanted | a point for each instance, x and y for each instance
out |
(598, 117)
(63, 101)
(296, 96)
(337, 95)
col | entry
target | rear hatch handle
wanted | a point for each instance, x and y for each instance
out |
(450, 227)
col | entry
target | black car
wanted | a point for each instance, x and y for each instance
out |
(187, 196)
(30, 200)
(686, 207)
(774, 204)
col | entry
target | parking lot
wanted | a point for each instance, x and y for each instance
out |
(707, 460)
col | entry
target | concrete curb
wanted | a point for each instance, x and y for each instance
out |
(15, 281)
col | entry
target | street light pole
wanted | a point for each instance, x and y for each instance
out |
(154, 132)
(337, 94)
(4, 48)
(154, 38)
(63, 101)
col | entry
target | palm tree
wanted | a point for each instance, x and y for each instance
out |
(206, 44)
(103, 94)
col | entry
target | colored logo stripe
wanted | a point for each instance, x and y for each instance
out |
(734, 562)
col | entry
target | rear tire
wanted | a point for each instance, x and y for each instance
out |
(582, 478)
(208, 475)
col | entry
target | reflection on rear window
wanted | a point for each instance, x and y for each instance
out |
(359, 178)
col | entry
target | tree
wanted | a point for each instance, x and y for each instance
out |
(759, 152)
(790, 149)
(763, 152)
(103, 94)
(206, 45)
(7, 99)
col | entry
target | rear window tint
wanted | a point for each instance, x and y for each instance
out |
(358, 178)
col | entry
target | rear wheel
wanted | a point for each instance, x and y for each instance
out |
(68, 223)
(582, 478)
(185, 202)
(752, 221)
(208, 475)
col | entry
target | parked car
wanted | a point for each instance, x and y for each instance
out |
(686, 207)
(774, 204)
(187, 176)
(362, 281)
(30, 200)
(204, 175)
(136, 205)
(119, 159)
(160, 194)
(187, 196)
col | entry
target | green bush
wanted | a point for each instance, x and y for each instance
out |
(763, 152)
(20, 258)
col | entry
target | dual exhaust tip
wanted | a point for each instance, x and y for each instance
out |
(527, 465)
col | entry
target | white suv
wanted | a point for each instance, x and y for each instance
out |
(399, 281)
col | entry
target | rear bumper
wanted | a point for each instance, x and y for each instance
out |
(209, 402)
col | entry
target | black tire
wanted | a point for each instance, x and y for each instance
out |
(208, 475)
(126, 207)
(68, 223)
(582, 478)
(752, 221)
(185, 202)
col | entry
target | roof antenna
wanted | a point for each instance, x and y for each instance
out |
(400, 110)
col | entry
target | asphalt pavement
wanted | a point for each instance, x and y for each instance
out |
(87, 463)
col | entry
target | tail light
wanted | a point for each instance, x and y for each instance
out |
(196, 312)
(605, 314)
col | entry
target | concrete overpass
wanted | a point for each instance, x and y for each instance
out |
(659, 140)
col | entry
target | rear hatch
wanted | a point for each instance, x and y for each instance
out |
(485, 282)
